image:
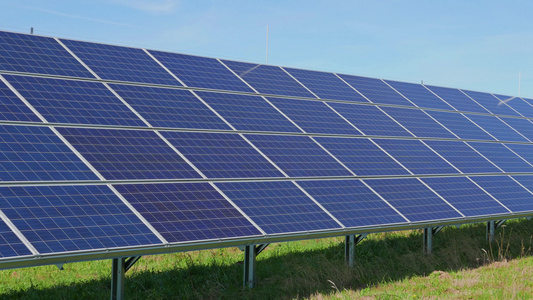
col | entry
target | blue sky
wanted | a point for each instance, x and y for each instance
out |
(477, 45)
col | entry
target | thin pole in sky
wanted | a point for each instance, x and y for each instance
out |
(267, 47)
(519, 80)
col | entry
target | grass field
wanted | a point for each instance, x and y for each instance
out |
(389, 266)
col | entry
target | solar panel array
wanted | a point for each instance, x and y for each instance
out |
(110, 148)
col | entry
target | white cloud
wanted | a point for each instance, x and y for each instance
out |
(150, 6)
(72, 16)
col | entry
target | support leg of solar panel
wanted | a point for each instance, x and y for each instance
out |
(117, 278)
(491, 228)
(250, 253)
(349, 248)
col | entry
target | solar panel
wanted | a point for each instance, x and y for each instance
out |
(416, 157)
(419, 95)
(71, 218)
(31, 153)
(369, 119)
(326, 85)
(298, 156)
(413, 199)
(352, 203)
(248, 112)
(268, 79)
(457, 99)
(491, 103)
(417, 122)
(222, 155)
(497, 128)
(507, 191)
(37, 54)
(460, 125)
(463, 157)
(362, 156)
(518, 104)
(187, 211)
(75, 102)
(376, 90)
(202, 72)
(120, 63)
(502, 157)
(525, 151)
(12, 108)
(278, 206)
(163, 107)
(523, 126)
(314, 116)
(10, 244)
(464, 195)
(128, 154)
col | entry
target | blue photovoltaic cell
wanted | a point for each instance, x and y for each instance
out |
(187, 211)
(416, 156)
(497, 128)
(507, 191)
(12, 108)
(457, 99)
(463, 157)
(203, 72)
(376, 90)
(313, 116)
(523, 126)
(128, 154)
(419, 95)
(32, 153)
(518, 104)
(416, 121)
(268, 79)
(72, 218)
(163, 107)
(37, 54)
(460, 125)
(248, 112)
(278, 206)
(326, 85)
(524, 151)
(120, 63)
(10, 244)
(502, 157)
(413, 199)
(464, 195)
(369, 119)
(76, 102)
(491, 103)
(362, 156)
(351, 202)
(220, 155)
(298, 156)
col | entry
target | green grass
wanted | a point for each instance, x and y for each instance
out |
(388, 266)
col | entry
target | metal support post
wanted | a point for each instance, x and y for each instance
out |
(491, 228)
(249, 265)
(117, 278)
(349, 248)
(428, 240)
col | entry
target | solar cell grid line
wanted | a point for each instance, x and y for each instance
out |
(278, 206)
(375, 90)
(171, 108)
(413, 199)
(418, 122)
(457, 99)
(187, 211)
(497, 128)
(508, 191)
(268, 79)
(72, 218)
(202, 72)
(10, 244)
(11, 106)
(460, 125)
(314, 116)
(352, 202)
(416, 156)
(74, 102)
(463, 157)
(466, 196)
(522, 126)
(37, 54)
(120, 63)
(419, 95)
(491, 103)
(525, 151)
(503, 157)
(128, 154)
(325, 85)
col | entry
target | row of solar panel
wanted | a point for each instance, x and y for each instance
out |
(35, 54)
(82, 102)
(72, 218)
